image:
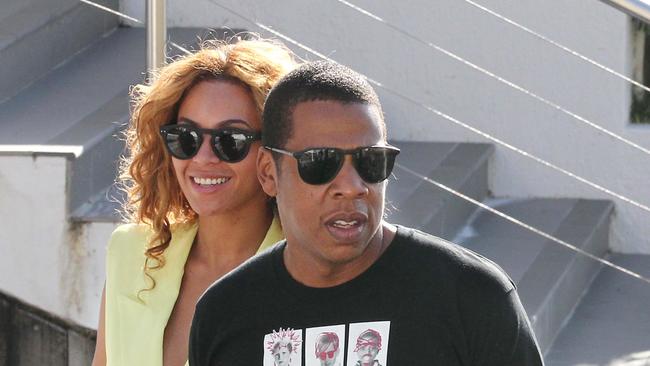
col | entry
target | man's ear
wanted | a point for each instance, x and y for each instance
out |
(267, 172)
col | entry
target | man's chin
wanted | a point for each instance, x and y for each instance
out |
(343, 255)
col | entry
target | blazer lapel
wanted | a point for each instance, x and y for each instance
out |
(156, 305)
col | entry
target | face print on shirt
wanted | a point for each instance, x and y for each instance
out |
(283, 348)
(355, 344)
(325, 346)
(368, 344)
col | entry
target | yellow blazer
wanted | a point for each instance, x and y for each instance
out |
(135, 327)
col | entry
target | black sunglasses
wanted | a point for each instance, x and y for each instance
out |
(320, 165)
(229, 144)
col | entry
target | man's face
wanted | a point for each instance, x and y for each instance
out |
(367, 353)
(336, 223)
(282, 356)
(332, 351)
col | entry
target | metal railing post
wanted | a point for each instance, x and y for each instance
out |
(156, 34)
(639, 9)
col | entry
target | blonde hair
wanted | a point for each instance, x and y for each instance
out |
(146, 173)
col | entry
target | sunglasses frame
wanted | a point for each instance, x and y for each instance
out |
(214, 134)
(323, 355)
(354, 152)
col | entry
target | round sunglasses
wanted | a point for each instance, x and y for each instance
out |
(321, 165)
(229, 144)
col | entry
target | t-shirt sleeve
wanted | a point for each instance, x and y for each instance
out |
(216, 324)
(200, 338)
(503, 335)
(222, 323)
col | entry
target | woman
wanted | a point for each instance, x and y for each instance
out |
(195, 206)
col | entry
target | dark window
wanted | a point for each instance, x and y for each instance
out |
(640, 106)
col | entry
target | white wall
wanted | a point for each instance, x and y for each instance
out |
(587, 26)
(44, 260)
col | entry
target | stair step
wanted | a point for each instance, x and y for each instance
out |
(74, 91)
(9, 10)
(550, 277)
(104, 206)
(98, 135)
(419, 156)
(419, 204)
(612, 322)
(38, 35)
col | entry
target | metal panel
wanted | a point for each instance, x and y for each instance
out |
(639, 9)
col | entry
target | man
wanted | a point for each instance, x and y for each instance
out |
(282, 345)
(367, 348)
(325, 160)
(327, 349)
(282, 353)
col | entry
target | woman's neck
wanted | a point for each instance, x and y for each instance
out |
(231, 237)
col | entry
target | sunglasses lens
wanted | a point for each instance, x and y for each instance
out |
(182, 142)
(325, 355)
(319, 166)
(374, 164)
(231, 146)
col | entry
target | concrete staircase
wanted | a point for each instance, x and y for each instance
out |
(37, 35)
(551, 279)
(581, 313)
(611, 324)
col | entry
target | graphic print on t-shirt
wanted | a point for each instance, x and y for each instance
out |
(325, 346)
(283, 348)
(368, 344)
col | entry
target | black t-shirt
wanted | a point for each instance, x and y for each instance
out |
(425, 301)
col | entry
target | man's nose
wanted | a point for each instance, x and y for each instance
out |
(348, 183)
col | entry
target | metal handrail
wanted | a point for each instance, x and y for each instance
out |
(639, 9)
(156, 34)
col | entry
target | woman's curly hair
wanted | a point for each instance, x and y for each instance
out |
(154, 196)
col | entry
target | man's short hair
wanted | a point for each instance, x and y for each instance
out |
(313, 81)
(324, 340)
(280, 344)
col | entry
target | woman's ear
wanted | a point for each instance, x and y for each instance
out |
(267, 172)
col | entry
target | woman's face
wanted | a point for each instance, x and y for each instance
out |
(211, 186)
